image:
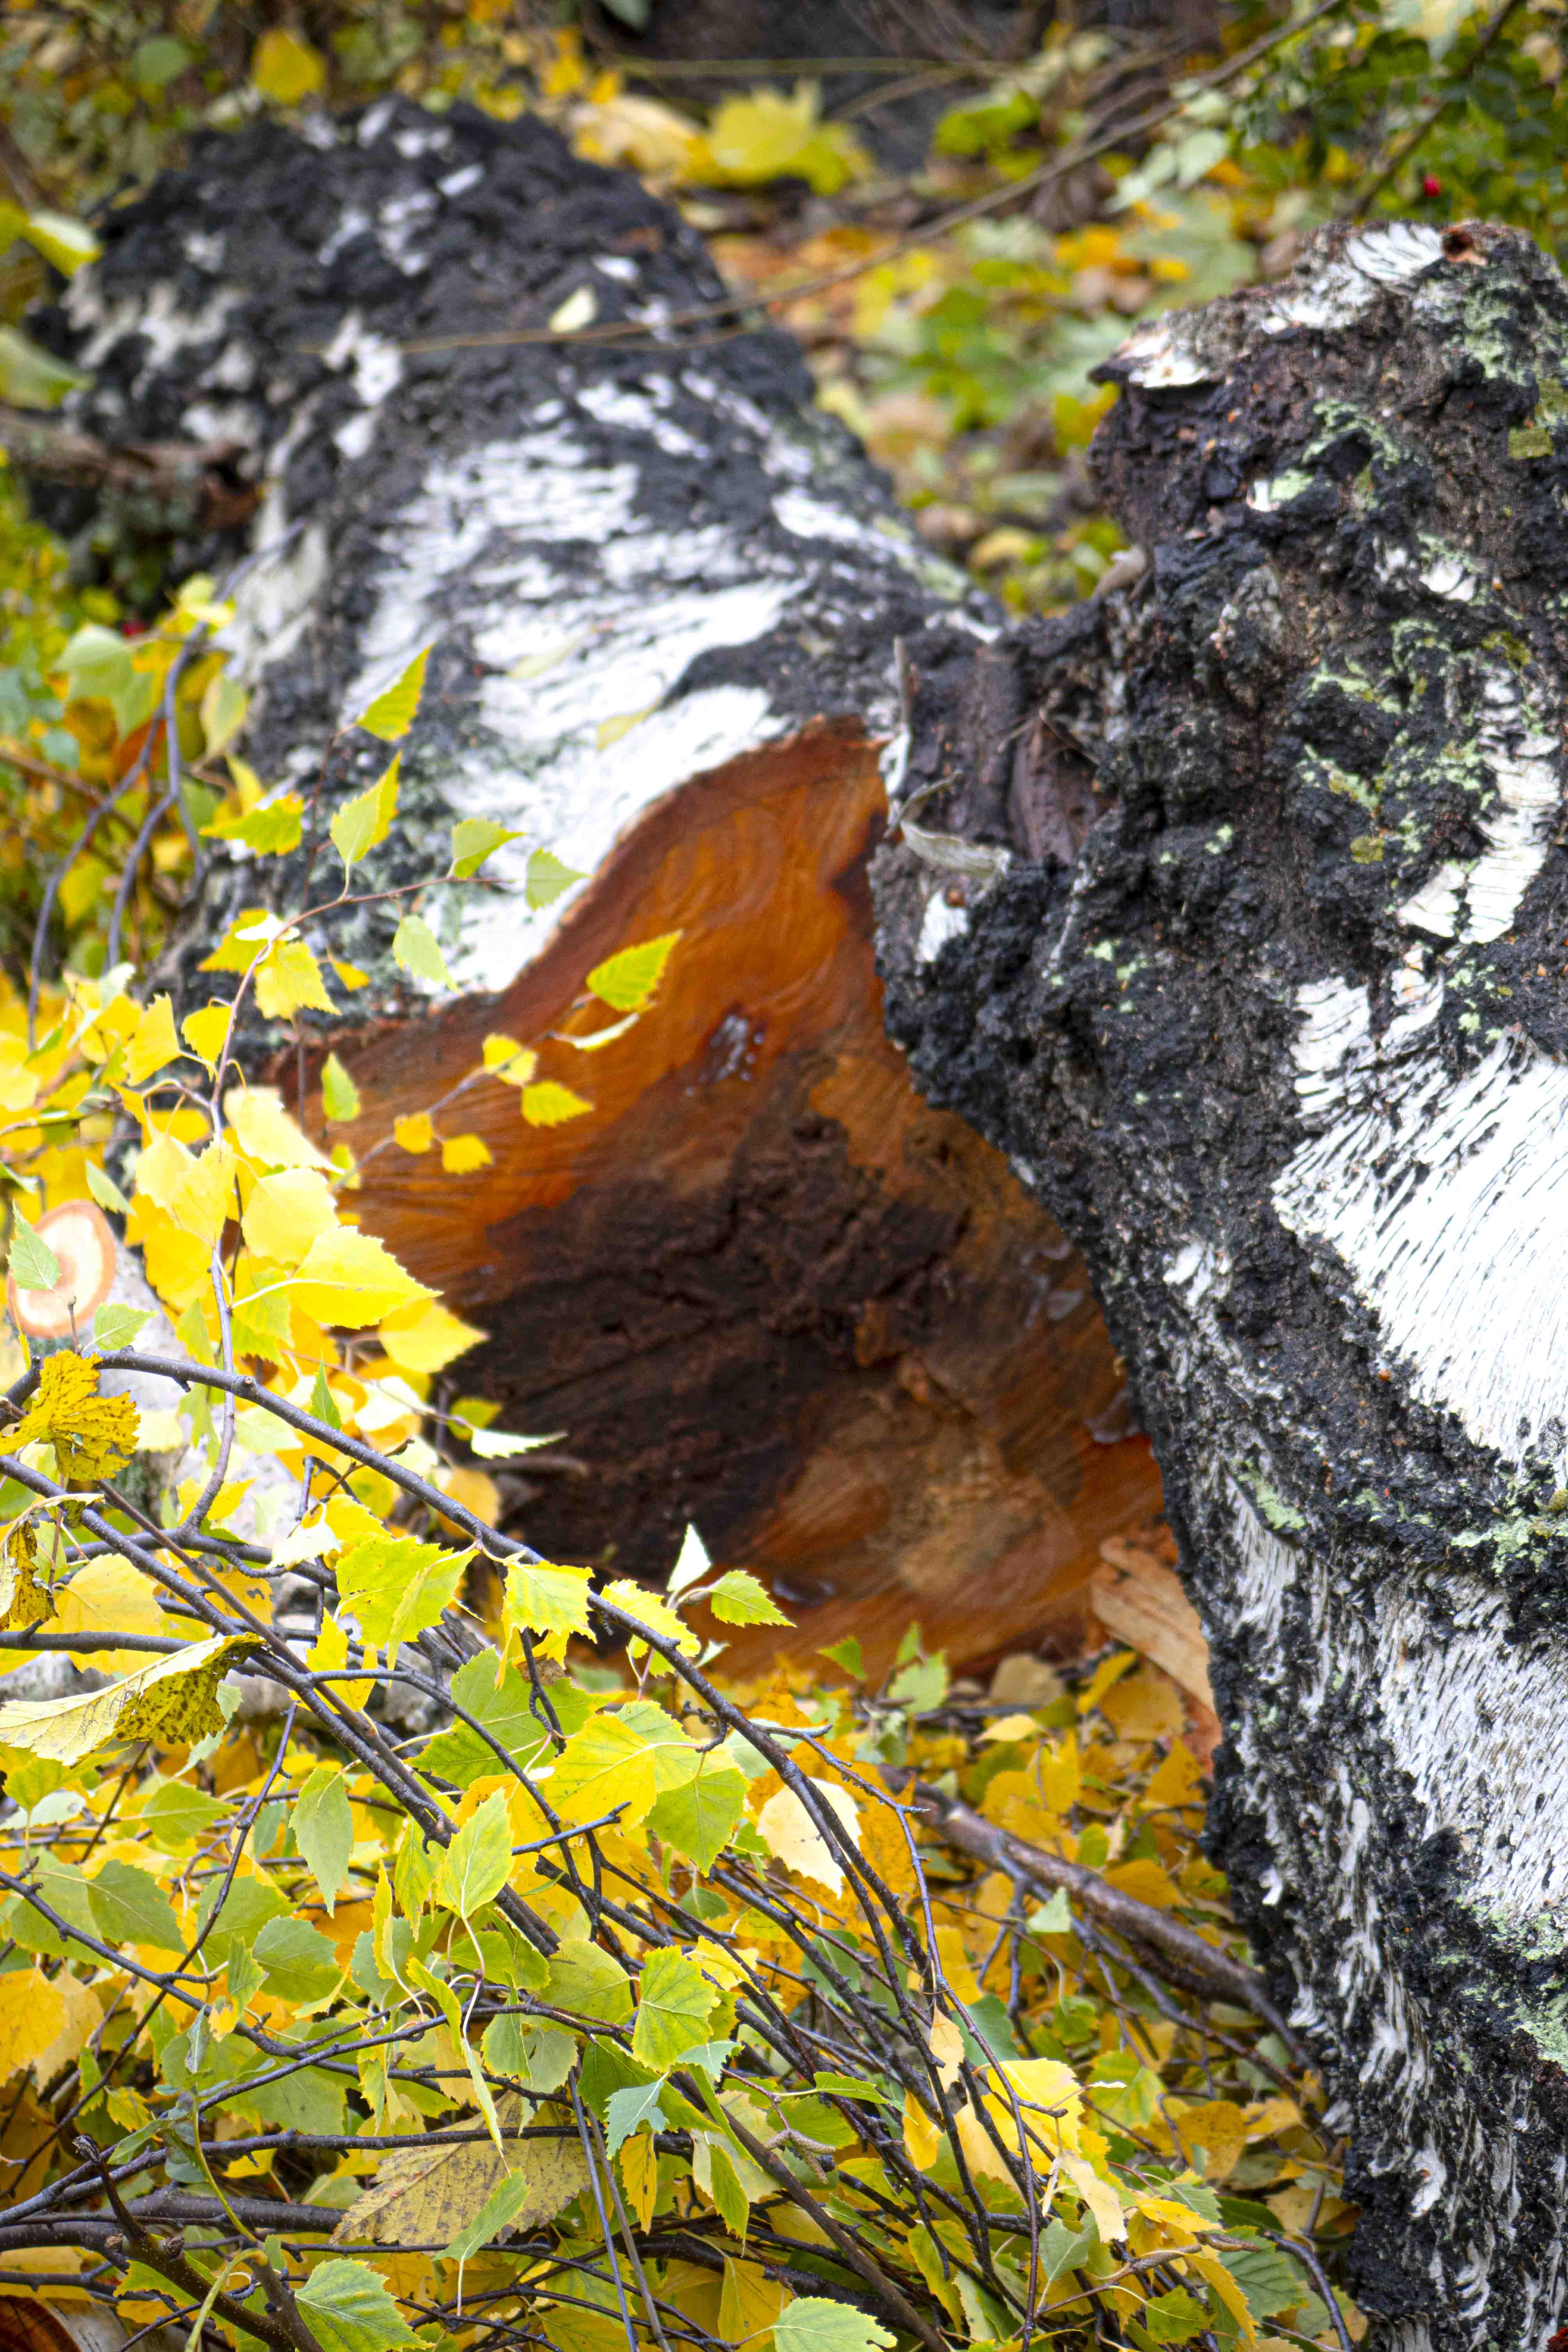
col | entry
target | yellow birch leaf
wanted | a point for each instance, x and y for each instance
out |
(205, 1032)
(56, 2271)
(607, 1763)
(290, 981)
(93, 1435)
(425, 1337)
(639, 2160)
(394, 712)
(923, 2136)
(1098, 2195)
(474, 1489)
(161, 1167)
(956, 1968)
(1060, 1774)
(792, 1837)
(83, 2016)
(366, 820)
(507, 1059)
(350, 975)
(415, 1133)
(286, 1212)
(349, 1279)
(339, 1096)
(1145, 1882)
(462, 1155)
(109, 1596)
(426, 2195)
(1225, 2285)
(265, 1131)
(204, 1201)
(23, 1601)
(285, 67)
(1177, 1781)
(172, 1700)
(1216, 2126)
(625, 982)
(656, 1615)
(32, 2013)
(749, 2305)
(947, 2048)
(550, 1104)
(329, 1654)
(179, 1265)
(152, 1042)
(542, 1598)
(1275, 2114)
(1109, 1670)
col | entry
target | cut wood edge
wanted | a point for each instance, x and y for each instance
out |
(763, 1285)
(1138, 1597)
(80, 1234)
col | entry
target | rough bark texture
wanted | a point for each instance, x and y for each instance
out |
(1277, 1026)
(763, 1287)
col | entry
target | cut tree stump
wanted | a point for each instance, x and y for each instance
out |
(762, 1286)
(1261, 981)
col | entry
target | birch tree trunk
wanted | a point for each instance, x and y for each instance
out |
(762, 1288)
(1260, 984)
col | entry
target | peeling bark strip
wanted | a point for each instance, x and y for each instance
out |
(1282, 1037)
(763, 1287)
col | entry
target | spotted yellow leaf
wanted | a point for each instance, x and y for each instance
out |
(172, 1700)
(93, 1436)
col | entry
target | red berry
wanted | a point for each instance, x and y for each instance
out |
(1431, 185)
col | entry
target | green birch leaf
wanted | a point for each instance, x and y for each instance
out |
(812, 2324)
(700, 1818)
(33, 1263)
(301, 1964)
(366, 820)
(738, 1598)
(585, 1982)
(339, 1096)
(416, 951)
(348, 2309)
(627, 2111)
(129, 1907)
(499, 2211)
(674, 2002)
(625, 982)
(547, 877)
(393, 713)
(324, 1832)
(474, 839)
(476, 1865)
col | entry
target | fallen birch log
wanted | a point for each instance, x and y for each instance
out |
(494, 402)
(1279, 1033)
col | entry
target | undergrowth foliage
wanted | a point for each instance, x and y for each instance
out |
(381, 1966)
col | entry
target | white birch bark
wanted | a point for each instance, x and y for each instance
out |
(1285, 1044)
